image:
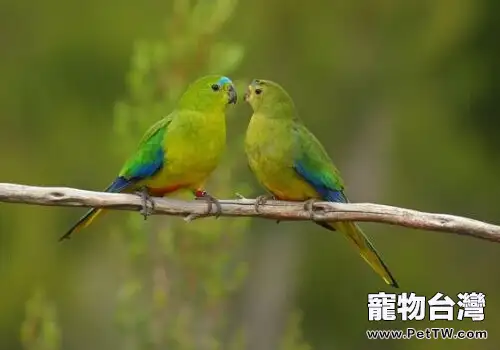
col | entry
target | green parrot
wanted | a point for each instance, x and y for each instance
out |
(291, 163)
(178, 152)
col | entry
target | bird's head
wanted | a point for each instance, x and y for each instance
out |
(266, 95)
(212, 92)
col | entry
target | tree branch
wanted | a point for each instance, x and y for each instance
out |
(324, 211)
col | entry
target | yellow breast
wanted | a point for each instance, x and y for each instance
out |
(193, 147)
(269, 149)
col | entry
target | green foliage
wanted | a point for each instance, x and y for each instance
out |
(293, 339)
(40, 330)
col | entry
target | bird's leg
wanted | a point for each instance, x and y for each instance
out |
(309, 207)
(204, 195)
(146, 199)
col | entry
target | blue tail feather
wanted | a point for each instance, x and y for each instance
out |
(118, 185)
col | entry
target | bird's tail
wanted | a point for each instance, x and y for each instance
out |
(83, 222)
(118, 185)
(366, 249)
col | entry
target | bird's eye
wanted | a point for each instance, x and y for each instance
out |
(215, 87)
(258, 91)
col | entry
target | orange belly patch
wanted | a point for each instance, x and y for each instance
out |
(161, 191)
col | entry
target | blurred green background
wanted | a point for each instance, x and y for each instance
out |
(404, 96)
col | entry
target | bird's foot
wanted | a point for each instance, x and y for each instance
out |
(309, 207)
(148, 204)
(211, 200)
(262, 200)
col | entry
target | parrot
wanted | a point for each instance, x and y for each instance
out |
(178, 152)
(292, 164)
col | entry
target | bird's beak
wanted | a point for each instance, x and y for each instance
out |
(248, 93)
(233, 96)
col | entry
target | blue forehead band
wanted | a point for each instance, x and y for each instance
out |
(225, 80)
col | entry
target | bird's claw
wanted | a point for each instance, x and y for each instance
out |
(261, 200)
(146, 199)
(309, 207)
(211, 200)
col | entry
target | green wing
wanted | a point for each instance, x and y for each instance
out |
(314, 165)
(149, 156)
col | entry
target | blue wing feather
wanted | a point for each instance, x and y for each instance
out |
(149, 157)
(137, 173)
(150, 168)
(312, 164)
(324, 190)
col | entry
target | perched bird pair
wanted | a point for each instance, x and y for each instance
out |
(181, 151)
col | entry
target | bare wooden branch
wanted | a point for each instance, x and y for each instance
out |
(276, 210)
